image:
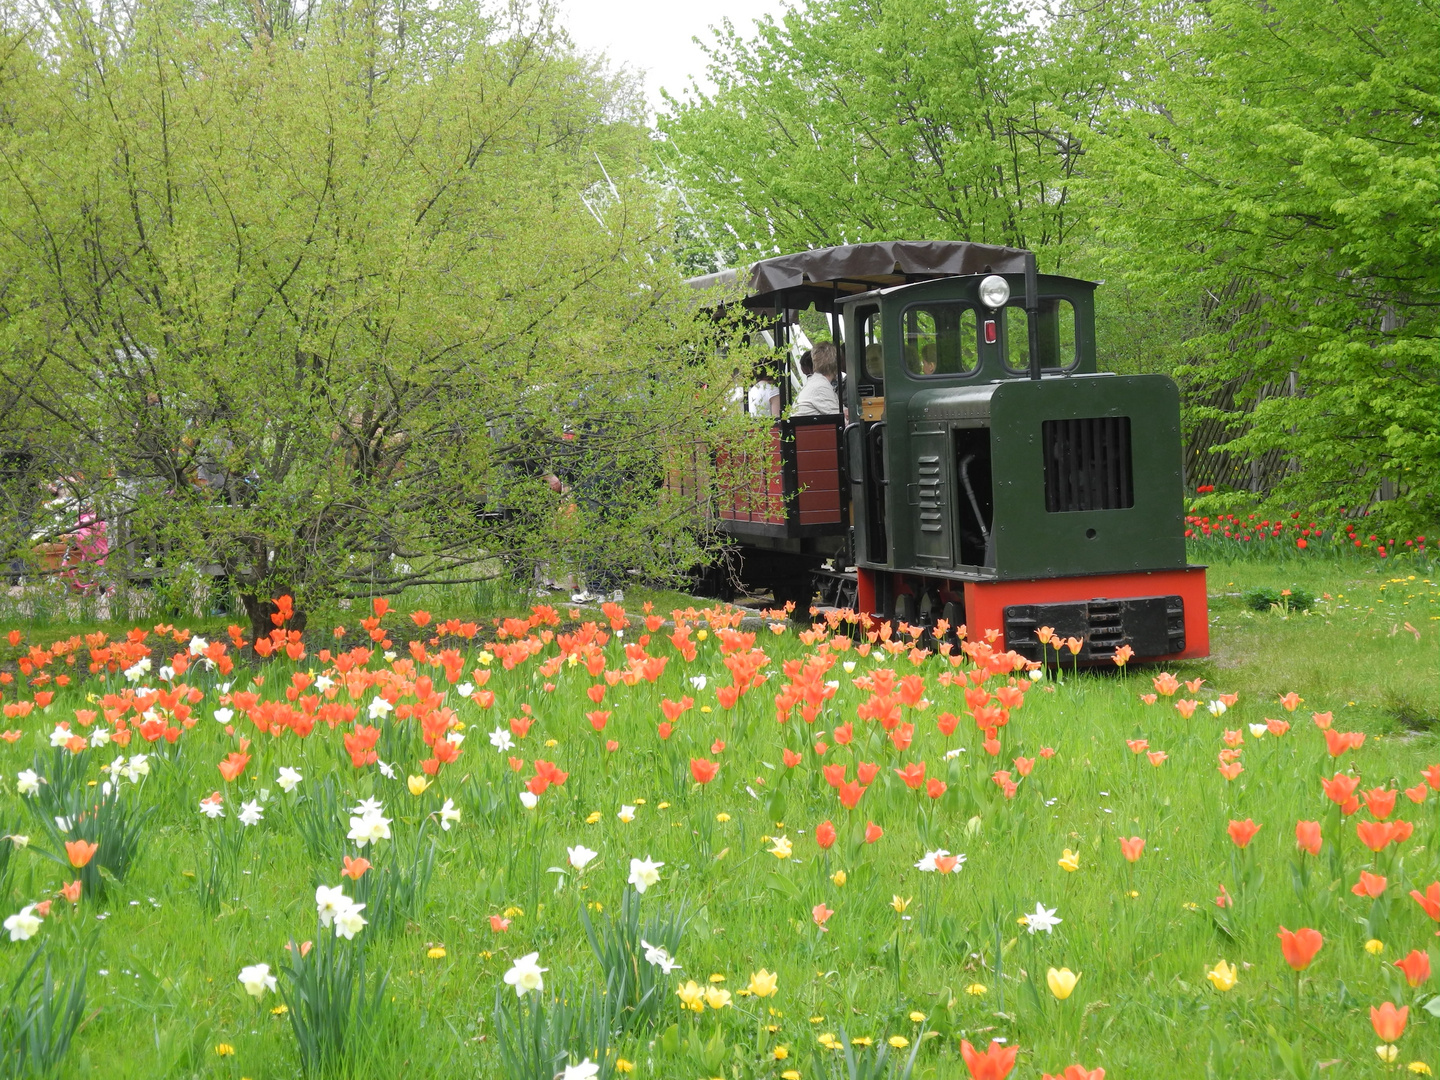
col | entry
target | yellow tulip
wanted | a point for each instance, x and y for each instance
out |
(1387, 1053)
(1070, 861)
(1223, 976)
(763, 984)
(782, 848)
(691, 996)
(900, 904)
(839, 878)
(417, 784)
(716, 998)
(1062, 982)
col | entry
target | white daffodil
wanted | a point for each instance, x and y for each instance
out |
(288, 779)
(644, 873)
(927, 864)
(386, 770)
(580, 856)
(500, 739)
(369, 829)
(526, 975)
(455, 737)
(198, 645)
(20, 840)
(323, 683)
(368, 806)
(449, 814)
(654, 954)
(24, 924)
(98, 738)
(138, 670)
(256, 979)
(1042, 919)
(329, 902)
(586, 1070)
(349, 921)
(60, 736)
(27, 782)
(212, 808)
(379, 708)
(136, 767)
(251, 813)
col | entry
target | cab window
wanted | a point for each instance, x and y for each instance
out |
(940, 338)
(1059, 350)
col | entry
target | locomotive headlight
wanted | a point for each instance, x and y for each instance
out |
(994, 291)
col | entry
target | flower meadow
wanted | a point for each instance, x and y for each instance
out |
(697, 844)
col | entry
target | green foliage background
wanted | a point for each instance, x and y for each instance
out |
(1256, 182)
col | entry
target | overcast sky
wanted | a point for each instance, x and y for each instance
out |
(654, 36)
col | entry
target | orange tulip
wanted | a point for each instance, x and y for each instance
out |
(80, 852)
(1388, 1021)
(703, 771)
(71, 892)
(1371, 885)
(1166, 684)
(1337, 742)
(1416, 967)
(1242, 832)
(1137, 746)
(1132, 848)
(935, 787)
(1429, 899)
(821, 914)
(1157, 757)
(1322, 719)
(873, 832)
(233, 765)
(1231, 770)
(1432, 776)
(1307, 836)
(355, 869)
(994, 1064)
(825, 834)
(1375, 835)
(867, 771)
(913, 774)
(1300, 946)
(1380, 802)
(1340, 788)
(1186, 707)
(1418, 793)
(850, 793)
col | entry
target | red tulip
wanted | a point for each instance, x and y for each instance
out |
(935, 787)
(1371, 885)
(790, 758)
(1380, 802)
(1132, 848)
(1375, 835)
(825, 834)
(873, 832)
(850, 793)
(913, 774)
(1339, 788)
(1429, 899)
(867, 772)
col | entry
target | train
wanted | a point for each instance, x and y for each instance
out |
(982, 471)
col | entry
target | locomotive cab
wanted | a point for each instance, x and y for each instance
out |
(985, 472)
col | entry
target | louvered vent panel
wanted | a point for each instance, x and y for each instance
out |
(1087, 464)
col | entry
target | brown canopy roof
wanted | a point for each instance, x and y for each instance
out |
(821, 275)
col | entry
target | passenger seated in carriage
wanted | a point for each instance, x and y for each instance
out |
(817, 396)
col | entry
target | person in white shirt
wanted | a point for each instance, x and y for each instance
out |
(764, 397)
(817, 396)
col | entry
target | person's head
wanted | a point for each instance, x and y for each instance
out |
(807, 362)
(825, 360)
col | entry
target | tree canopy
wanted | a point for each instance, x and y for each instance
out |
(341, 298)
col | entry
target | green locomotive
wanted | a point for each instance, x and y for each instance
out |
(982, 471)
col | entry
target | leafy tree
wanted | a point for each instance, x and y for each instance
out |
(1278, 160)
(347, 297)
(848, 122)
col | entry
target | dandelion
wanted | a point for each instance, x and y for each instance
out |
(436, 952)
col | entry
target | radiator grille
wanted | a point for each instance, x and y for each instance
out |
(931, 518)
(1087, 464)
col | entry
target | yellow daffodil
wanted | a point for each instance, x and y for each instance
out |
(1061, 982)
(900, 904)
(839, 878)
(763, 984)
(417, 784)
(1070, 861)
(1223, 976)
(782, 848)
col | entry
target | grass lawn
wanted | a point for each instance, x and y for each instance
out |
(866, 946)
